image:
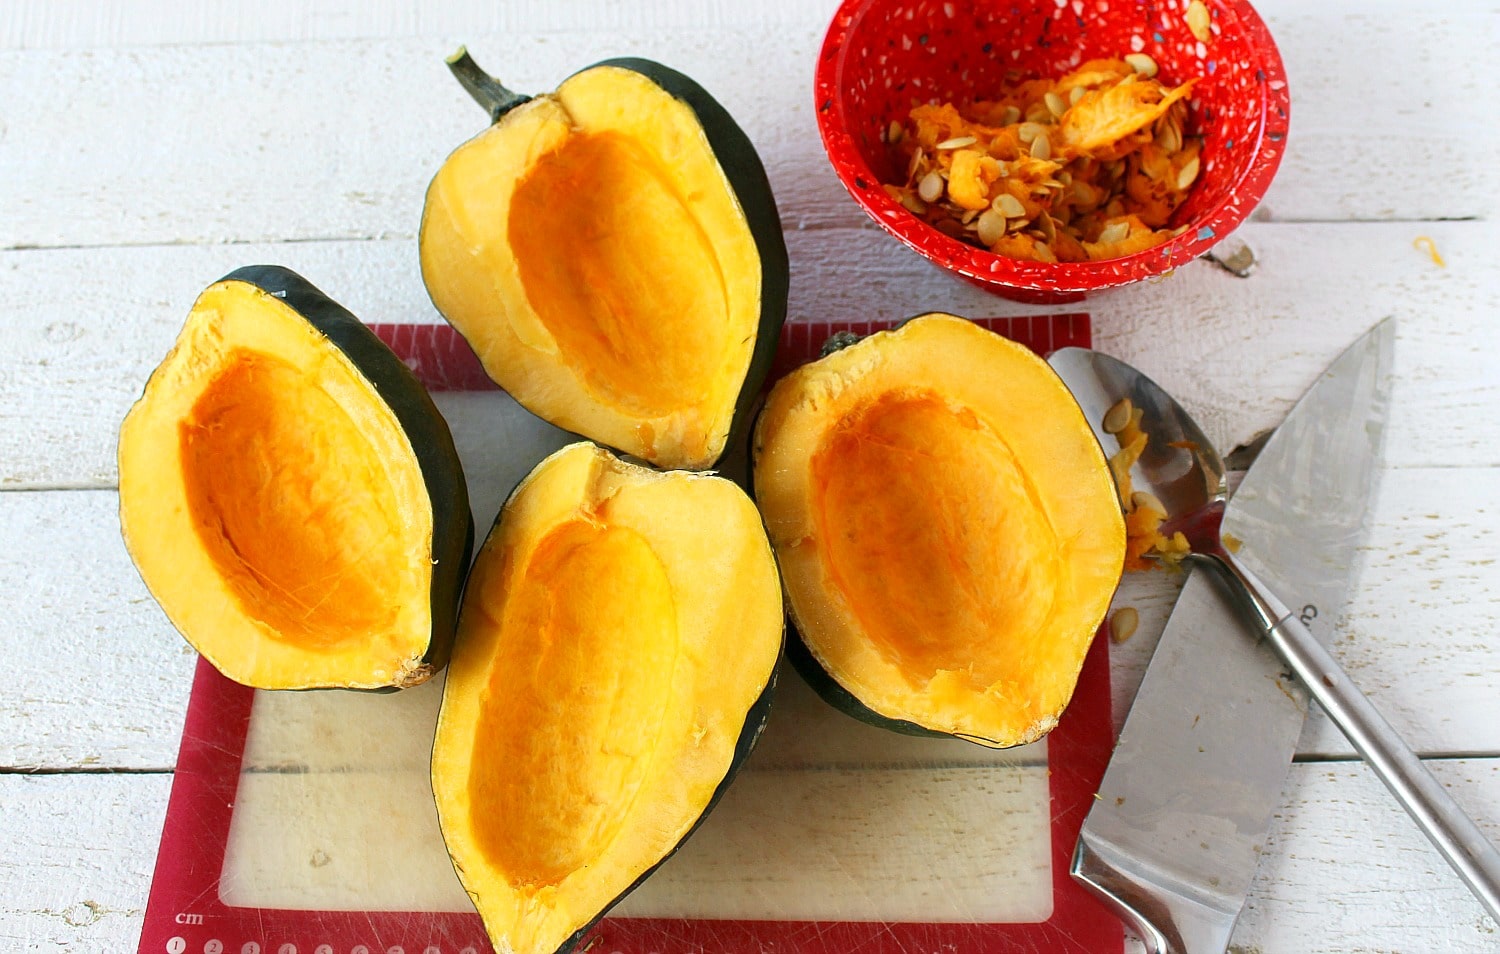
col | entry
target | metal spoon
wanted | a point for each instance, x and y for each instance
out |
(1181, 467)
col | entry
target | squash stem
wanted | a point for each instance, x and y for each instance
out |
(838, 341)
(486, 90)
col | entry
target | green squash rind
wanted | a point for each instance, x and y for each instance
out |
(833, 693)
(424, 426)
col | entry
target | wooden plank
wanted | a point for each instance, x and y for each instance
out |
(99, 679)
(84, 327)
(70, 24)
(331, 139)
(76, 861)
(110, 688)
(338, 138)
(1344, 869)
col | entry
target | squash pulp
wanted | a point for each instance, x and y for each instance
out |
(291, 496)
(946, 527)
(612, 253)
(613, 668)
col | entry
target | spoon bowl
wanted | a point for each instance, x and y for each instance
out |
(1179, 464)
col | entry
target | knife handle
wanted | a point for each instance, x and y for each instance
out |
(1441, 819)
(1166, 922)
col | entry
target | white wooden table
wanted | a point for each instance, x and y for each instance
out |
(144, 153)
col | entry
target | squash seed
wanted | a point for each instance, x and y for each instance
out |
(1041, 147)
(917, 158)
(1146, 500)
(1047, 227)
(1056, 105)
(1142, 63)
(1008, 206)
(1076, 94)
(1028, 132)
(1118, 416)
(913, 204)
(931, 187)
(1169, 136)
(1114, 232)
(957, 142)
(895, 133)
(1123, 624)
(1011, 116)
(991, 226)
(1187, 174)
(1198, 20)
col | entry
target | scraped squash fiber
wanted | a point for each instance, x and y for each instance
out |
(613, 668)
(946, 526)
(292, 497)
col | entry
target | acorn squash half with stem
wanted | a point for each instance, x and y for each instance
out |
(947, 529)
(291, 495)
(612, 253)
(614, 667)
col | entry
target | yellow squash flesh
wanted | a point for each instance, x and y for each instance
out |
(616, 642)
(593, 253)
(946, 527)
(274, 505)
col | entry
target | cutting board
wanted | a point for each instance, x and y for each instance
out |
(303, 822)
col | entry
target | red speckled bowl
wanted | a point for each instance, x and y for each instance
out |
(881, 57)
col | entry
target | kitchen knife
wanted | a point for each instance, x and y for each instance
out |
(1173, 839)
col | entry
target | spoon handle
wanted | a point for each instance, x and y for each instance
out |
(1441, 819)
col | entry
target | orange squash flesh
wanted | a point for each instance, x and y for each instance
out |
(916, 559)
(947, 529)
(639, 312)
(564, 786)
(267, 463)
(292, 497)
(616, 649)
(611, 252)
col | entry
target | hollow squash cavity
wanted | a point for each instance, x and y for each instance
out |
(613, 669)
(291, 496)
(621, 273)
(947, 530)
(612, 254)
(571, 718)
(268, 461)
(912, 496)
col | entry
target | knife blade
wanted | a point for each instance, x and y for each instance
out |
(1182, 813)
(1300, 511)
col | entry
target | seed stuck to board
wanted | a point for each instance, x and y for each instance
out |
(1090, 166)
(1123, 624)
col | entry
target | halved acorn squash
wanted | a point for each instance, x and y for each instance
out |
(613, 669)
(947, 530)
(612, 253)
(292, 497)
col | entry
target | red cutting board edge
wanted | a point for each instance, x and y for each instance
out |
(184, 913)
